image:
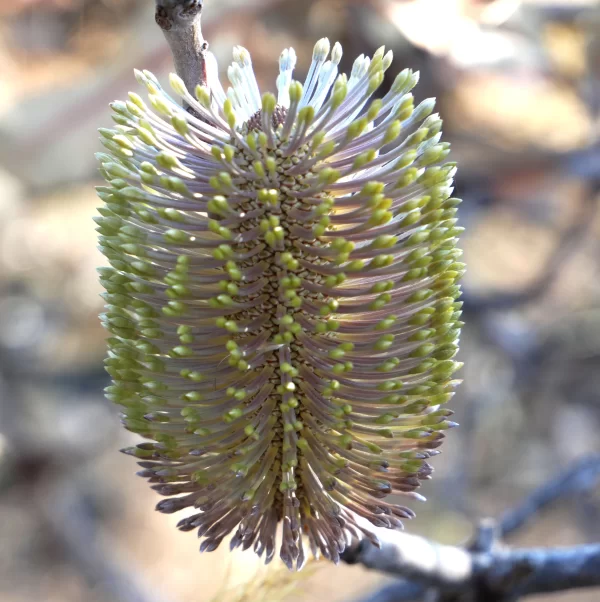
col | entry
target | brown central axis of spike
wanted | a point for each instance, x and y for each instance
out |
(283, 306)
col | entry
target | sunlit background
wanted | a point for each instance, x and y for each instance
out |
(518, 84)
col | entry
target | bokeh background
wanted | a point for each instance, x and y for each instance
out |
(518, 83)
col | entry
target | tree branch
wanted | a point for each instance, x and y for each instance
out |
(496, 575)
(487, 571)
(416, 559)
(403, 591)
(180, 23)
(523, 572)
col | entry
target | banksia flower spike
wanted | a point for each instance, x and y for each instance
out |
(282, 299)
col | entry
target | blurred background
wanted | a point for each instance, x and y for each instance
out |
(518, 84)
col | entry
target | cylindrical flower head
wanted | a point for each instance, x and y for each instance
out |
(282, 299)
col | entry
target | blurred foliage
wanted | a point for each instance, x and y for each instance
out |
(518, 84)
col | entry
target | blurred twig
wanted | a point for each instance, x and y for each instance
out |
(63, 505)
(566, 246)
(67, 511)
(579, 478)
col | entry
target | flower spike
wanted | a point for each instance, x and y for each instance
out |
(282, 299)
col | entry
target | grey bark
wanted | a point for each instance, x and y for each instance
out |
(180, 23)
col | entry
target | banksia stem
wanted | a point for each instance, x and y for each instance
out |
(282, 298)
